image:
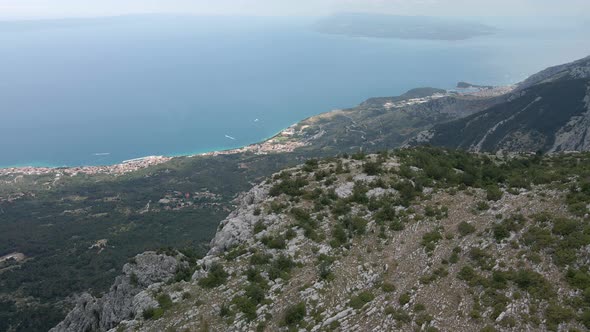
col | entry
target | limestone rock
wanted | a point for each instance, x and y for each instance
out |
(126, 298)
(238, 226)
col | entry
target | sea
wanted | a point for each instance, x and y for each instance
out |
(98, 91)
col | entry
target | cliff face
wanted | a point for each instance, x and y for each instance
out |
(575, 134)
(549, 112)
(415, 240)
(127, 299)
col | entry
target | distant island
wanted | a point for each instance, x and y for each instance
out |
(401, 27)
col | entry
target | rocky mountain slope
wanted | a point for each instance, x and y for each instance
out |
(421, 239)
(574, 70)
(387, 122)
(548, 112)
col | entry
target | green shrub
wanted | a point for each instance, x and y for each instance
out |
(500, 232)
(423, 318)
(341, 207)
(276, 242)
(183, 273)
(339, 236)
(372, 168)
(360, 155)
(385, 213)
(290, 234)
(259, 227)
(430, 239)
(388, 287)
(246, 306)
(519, 182)
(359, 194)
(493, 193)
(397, 225)
(468, 274)
(419, 307)
(289, 186)
(152, 313)
(310, 165)
(294, 315)
(482, 206)
(401, 316)
(224, 311)
(164, 301)
(454, 257)
(356, 225)
(537, 238)
(255, 293)
(325, 272)
(556, 315)
(565, 226)
(235, 253)
(260, 259)
(360, 300)
(578, 278)
(215, 277)
(465, 228)
(281, 268)
(253, 275)
(534, 283)
(585, 318)
(513, 224)
(404, 298)
(483, 259)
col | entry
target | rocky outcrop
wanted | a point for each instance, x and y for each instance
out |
(238, 226)
(575, 135)
(126, 299)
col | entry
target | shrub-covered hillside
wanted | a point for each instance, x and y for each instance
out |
(424, 238)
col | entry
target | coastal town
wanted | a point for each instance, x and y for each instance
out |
(117, 169)
(283, 142)
(280, 143)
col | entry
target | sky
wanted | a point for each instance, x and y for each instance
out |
(27, 9)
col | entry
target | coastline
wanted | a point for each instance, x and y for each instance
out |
(281, 142)
(265, 146)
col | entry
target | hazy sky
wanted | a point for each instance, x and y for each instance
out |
(74, 8)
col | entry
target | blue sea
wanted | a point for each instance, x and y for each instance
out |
(100, 91)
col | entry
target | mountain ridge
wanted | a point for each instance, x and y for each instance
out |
(402, 241)
(548, 112)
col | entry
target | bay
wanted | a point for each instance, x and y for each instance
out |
(100, 91)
